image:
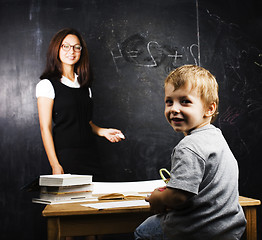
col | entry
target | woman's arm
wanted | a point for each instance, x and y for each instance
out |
(109, 133)
(45, 107)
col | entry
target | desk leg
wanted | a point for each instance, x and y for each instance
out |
(251, 216)
(53, 228)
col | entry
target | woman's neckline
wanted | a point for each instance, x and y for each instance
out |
(70, 83)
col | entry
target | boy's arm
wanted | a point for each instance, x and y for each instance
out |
(170, 198)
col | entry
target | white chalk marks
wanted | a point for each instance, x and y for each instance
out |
(141, 52)
(259, 64)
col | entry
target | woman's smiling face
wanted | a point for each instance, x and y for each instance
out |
(70, 57)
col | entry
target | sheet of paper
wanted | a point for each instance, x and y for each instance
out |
(127, 187)
(117, 204)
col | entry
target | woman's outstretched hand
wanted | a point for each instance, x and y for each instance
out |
(113, 135)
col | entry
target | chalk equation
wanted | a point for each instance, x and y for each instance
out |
(143, 53)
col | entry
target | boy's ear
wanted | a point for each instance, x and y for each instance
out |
(211, 109)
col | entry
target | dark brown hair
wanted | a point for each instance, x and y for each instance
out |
(53, 69)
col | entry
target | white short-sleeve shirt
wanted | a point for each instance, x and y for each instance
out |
(45, 88)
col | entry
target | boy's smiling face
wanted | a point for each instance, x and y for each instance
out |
(184, 109)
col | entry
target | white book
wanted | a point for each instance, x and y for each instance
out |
(67, 189)
(50, 202)
(64, 180)
(65, 196)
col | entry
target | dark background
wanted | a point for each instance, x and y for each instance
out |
(132, 45)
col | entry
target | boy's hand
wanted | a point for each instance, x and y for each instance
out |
(155, 201)
(166, 198)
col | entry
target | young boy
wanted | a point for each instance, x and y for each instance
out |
(200, 201)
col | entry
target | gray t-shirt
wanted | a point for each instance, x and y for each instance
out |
(203, 164)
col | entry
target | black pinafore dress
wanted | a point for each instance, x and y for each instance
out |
(73, 137)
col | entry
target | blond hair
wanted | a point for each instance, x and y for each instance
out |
(199, 78)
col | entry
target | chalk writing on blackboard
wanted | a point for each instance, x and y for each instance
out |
(230, 115)
(229, 118)
(259, 64)
(143, 53)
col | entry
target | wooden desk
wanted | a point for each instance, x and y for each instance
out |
(249, 206)
(72, 219)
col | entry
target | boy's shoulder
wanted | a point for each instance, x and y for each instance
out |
(202, 139)
(203, 132)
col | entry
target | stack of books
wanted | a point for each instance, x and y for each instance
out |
(64, 188)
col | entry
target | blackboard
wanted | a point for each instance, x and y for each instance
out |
(132, 45)
(138, 50)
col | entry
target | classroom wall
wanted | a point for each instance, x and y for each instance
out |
(133, 45)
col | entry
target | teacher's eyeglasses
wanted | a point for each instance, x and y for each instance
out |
(66, 47)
